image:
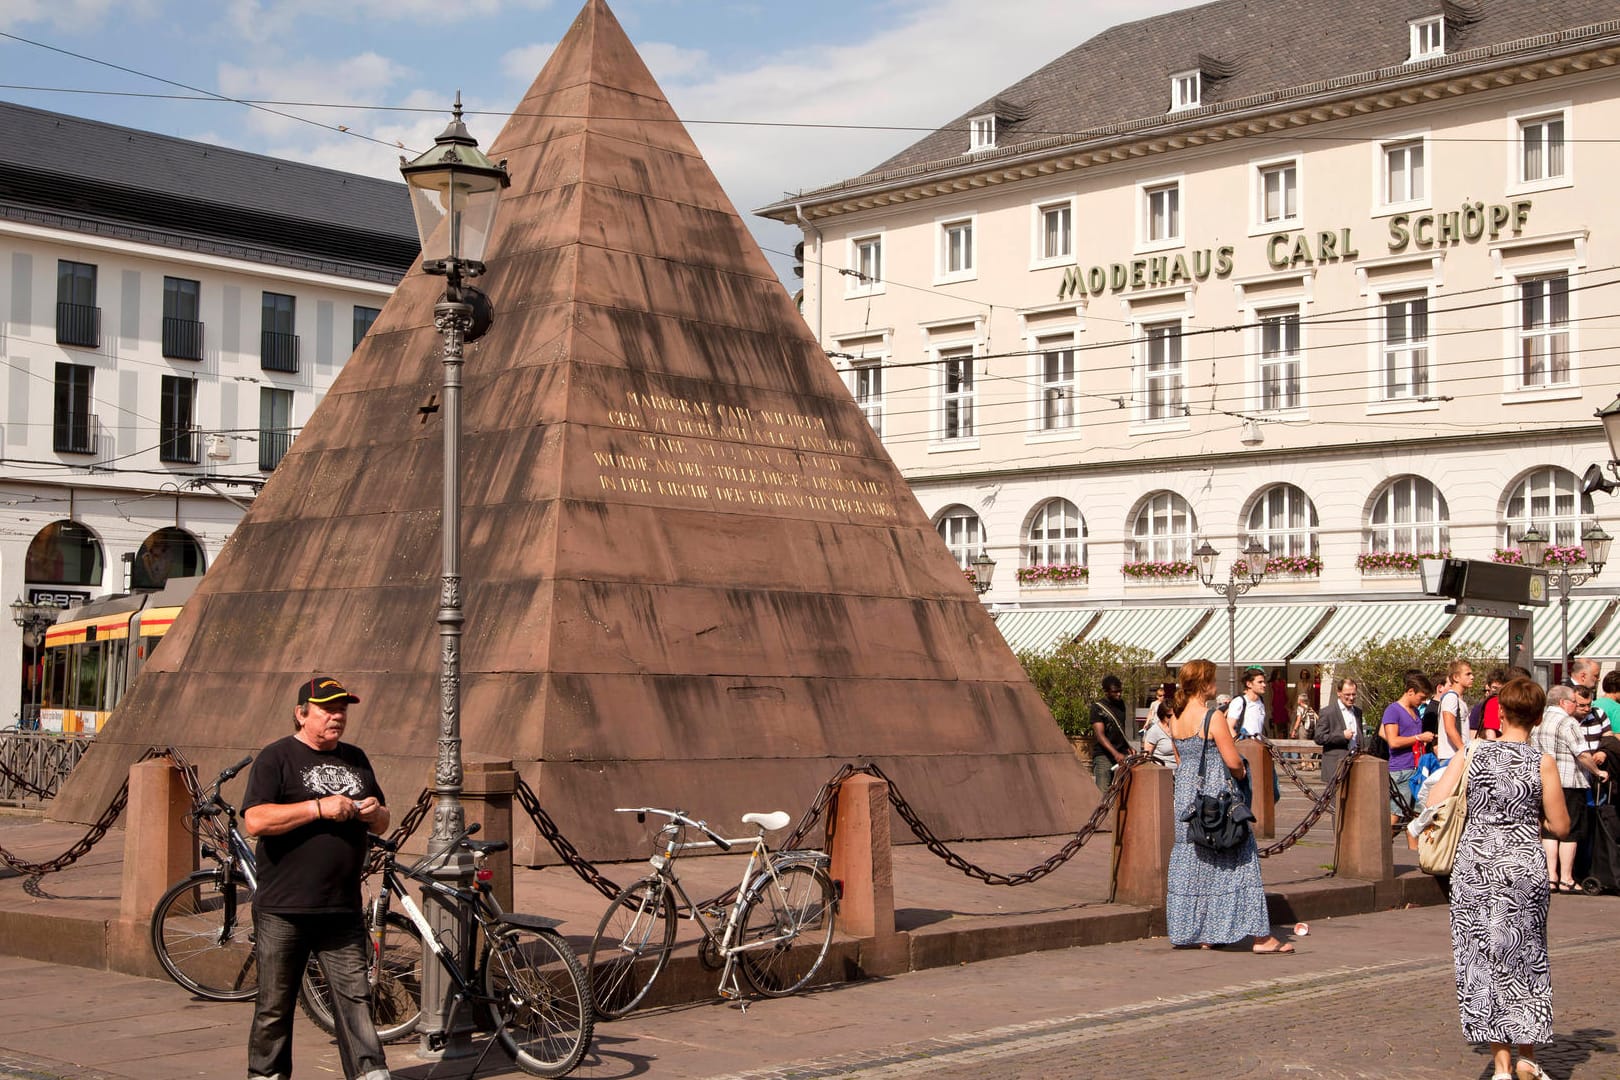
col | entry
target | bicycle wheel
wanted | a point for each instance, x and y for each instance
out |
(202, 933)
(785, 928)
(540, 1001)
(631, 946)
(396, 1000)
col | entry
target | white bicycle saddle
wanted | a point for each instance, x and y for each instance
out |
(769, 822)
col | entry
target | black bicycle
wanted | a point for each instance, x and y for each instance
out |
(526, 976)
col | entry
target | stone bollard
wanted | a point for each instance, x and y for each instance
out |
(1143, 836)
(1361, 849)
(1262, 774)
(861, 857)
(487, 788)
(158, 848)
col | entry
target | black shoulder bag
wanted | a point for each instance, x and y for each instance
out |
(1217, 822)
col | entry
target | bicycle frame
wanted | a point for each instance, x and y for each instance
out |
(758, 860)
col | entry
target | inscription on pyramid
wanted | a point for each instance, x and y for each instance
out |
(693, 576)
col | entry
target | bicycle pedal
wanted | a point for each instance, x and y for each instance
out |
(713, 911)
(729, 993)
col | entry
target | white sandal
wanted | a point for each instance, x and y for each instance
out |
(1536, 1072)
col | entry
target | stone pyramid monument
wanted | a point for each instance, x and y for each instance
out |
(693, 576)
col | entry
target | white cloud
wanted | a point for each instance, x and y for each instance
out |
(68, 14)
(672, 63)
(265, 20)
(364, 78)
(523, 63)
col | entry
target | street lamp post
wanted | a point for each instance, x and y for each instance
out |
(34, 619)
(1254, 566)
(454, 192)
(1595, 543)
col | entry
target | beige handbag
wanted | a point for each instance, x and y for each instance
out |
(1437, 843)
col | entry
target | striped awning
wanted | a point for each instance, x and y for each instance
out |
(1042, 631)
(1265, 634)
(1156, 629)
(1546, 629)
(1353, 623)
(1606, 646)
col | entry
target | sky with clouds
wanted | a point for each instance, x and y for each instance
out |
(767, 89)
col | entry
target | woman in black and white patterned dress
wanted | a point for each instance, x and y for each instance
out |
(1499, 885)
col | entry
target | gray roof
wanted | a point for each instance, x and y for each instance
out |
(92, 176)
(1256, 46)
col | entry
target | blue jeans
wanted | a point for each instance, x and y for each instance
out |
(1401, 778)
(284, 944)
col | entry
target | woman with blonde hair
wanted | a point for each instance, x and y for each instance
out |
(1213, 897)
(1499, 887)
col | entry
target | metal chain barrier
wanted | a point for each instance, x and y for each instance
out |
(1286, 767)
(1116, 791)
(92, 836)
(402, 832)
(1320, 805)
(24, 784)
(564, 847)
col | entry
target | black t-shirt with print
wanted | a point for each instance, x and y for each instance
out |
(315, 868)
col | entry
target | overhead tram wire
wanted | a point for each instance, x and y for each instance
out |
(200, 95)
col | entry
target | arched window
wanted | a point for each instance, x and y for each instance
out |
(1283, 518)
(1057, 535)
(1163, 529)
(1409, 515)
(1551, 500)
(963, 533)
(64, 553)
(167, 553)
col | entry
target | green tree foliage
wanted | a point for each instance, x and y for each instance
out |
(1380, 667)
(1070, 677)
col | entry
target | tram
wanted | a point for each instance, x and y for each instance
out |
(94, 651)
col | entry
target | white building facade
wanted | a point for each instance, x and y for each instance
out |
(1342, 283)
(170, 315)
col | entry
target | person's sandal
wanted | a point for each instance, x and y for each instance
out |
(1525, 1069)
(1283, 948)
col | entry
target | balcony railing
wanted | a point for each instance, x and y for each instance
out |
(182, 338)
(273, 446)
(75, 434)
(278, 352)
(78, 324)
(180, 447)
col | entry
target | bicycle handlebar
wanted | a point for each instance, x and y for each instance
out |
(641, 813)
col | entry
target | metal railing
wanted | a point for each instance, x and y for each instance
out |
(278, 351)
(273, 446)
(182, 338)
(75, 434)
(78, 324)
(181, 447)
(32, 762)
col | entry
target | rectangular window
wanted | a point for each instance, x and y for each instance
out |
(1427, 38)
(1057, 390)
(1162, 373)
(866, 255)
(275, 426)
(1279, 193)
(1406, 347)
(1541, 149)
(182, 325)
(1544, 331)
(866, 383)
(177, 420)
(1404, 179)
(73, 427)
(1186, 90)
(78, 320)
(1163, 211)
(956, 250)
(278, 344)
(1279, 359)
(363, 318)
(981, 133)
(957, 401)
(1057, 231)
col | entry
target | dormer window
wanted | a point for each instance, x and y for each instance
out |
(1186, 90)
(1428, 38)
(982, 133)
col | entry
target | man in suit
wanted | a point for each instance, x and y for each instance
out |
(1338, 728)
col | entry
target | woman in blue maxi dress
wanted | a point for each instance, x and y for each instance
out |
(1212, 897)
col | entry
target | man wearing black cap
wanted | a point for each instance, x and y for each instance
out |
(310, 800)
